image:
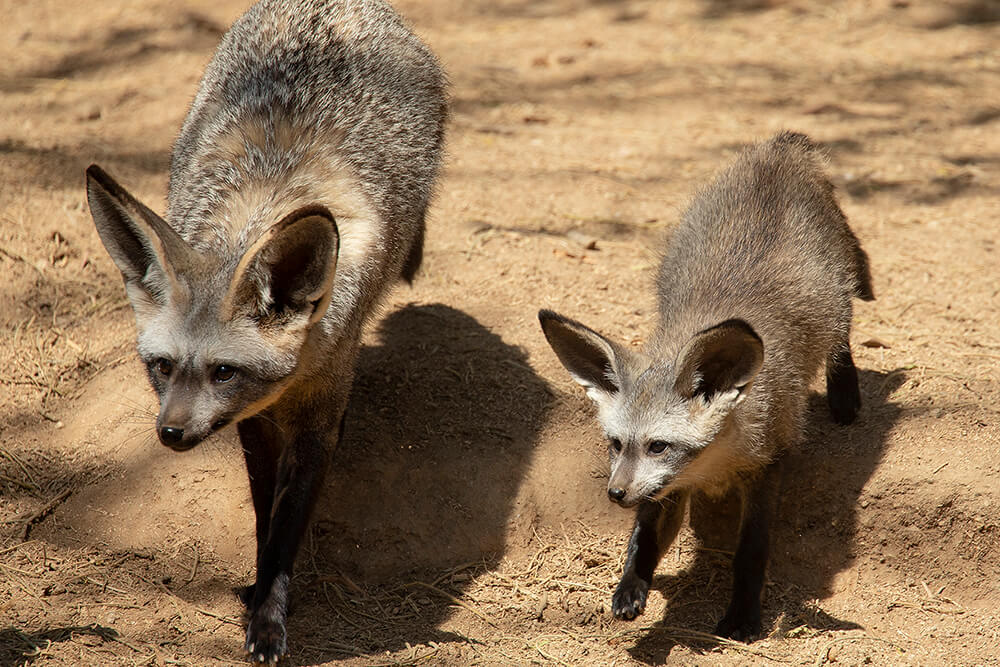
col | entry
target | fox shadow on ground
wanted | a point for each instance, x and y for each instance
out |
(63, 168)
(440, 431)
(22, 648)
(441, 427)
(813, 536)
(89, 53)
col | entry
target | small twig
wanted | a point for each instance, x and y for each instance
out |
(224, 619)
(21, 544)
(194, 566)
(455, 570)
(16, 569)
(337, 646)
(575, 585)
(547, 656)
(681, 634)
(340, 577)
(20, 464)
(27, 486)
(454, 600)
(824, 653)
(105, 586)
(326, 594)
(40, 515)
(18, 258)
(507, 581)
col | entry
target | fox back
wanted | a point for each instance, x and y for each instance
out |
(310, 101)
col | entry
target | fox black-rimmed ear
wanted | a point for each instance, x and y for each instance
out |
(290, 270)
(720, 359)
(148, 252)
(592, 360)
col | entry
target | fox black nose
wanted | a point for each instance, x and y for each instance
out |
(616, 494)
(170, 435)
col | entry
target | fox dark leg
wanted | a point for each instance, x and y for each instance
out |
(656, 526)
(261, 441)
(742, 619)
(282, 519)
(842, 393)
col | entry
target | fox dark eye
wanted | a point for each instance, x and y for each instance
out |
(223, 373)
(164, 367)
(657, 447)
(615, 444)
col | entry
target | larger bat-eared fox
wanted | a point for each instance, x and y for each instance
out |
(754, 294)
(298, 187)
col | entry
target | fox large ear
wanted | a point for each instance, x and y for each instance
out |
(719, 360)
(149, 252)
(594, 361)
(288, 272)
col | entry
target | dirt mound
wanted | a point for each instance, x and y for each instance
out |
(465, 519)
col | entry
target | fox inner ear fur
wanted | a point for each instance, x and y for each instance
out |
(289, 272)
(590, 358)
(148, 251)
(720, 359)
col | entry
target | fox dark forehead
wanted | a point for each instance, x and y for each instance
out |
(206, 296)
(653, 381)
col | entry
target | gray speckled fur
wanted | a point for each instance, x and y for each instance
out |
(354, 73)
(766, 243)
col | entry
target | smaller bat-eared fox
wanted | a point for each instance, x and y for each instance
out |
(754, 295)
(298, 187)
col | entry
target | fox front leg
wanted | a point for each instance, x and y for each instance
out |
(282, 517)
(742, 621)
(656, 526)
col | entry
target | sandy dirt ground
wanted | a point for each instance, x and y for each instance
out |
(465, 521)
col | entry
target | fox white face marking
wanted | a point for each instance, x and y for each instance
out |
(659, 415)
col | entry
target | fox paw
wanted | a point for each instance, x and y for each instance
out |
(266, 639)
(743, 627)
(629, 599)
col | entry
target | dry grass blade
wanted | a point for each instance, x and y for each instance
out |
(29, 520)
(17, 546)
(548, 656)
(20, 464)
(454, 600)
(685, 635)
(218, 617)
(27, 486)
(18, 258)
(824, 654)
